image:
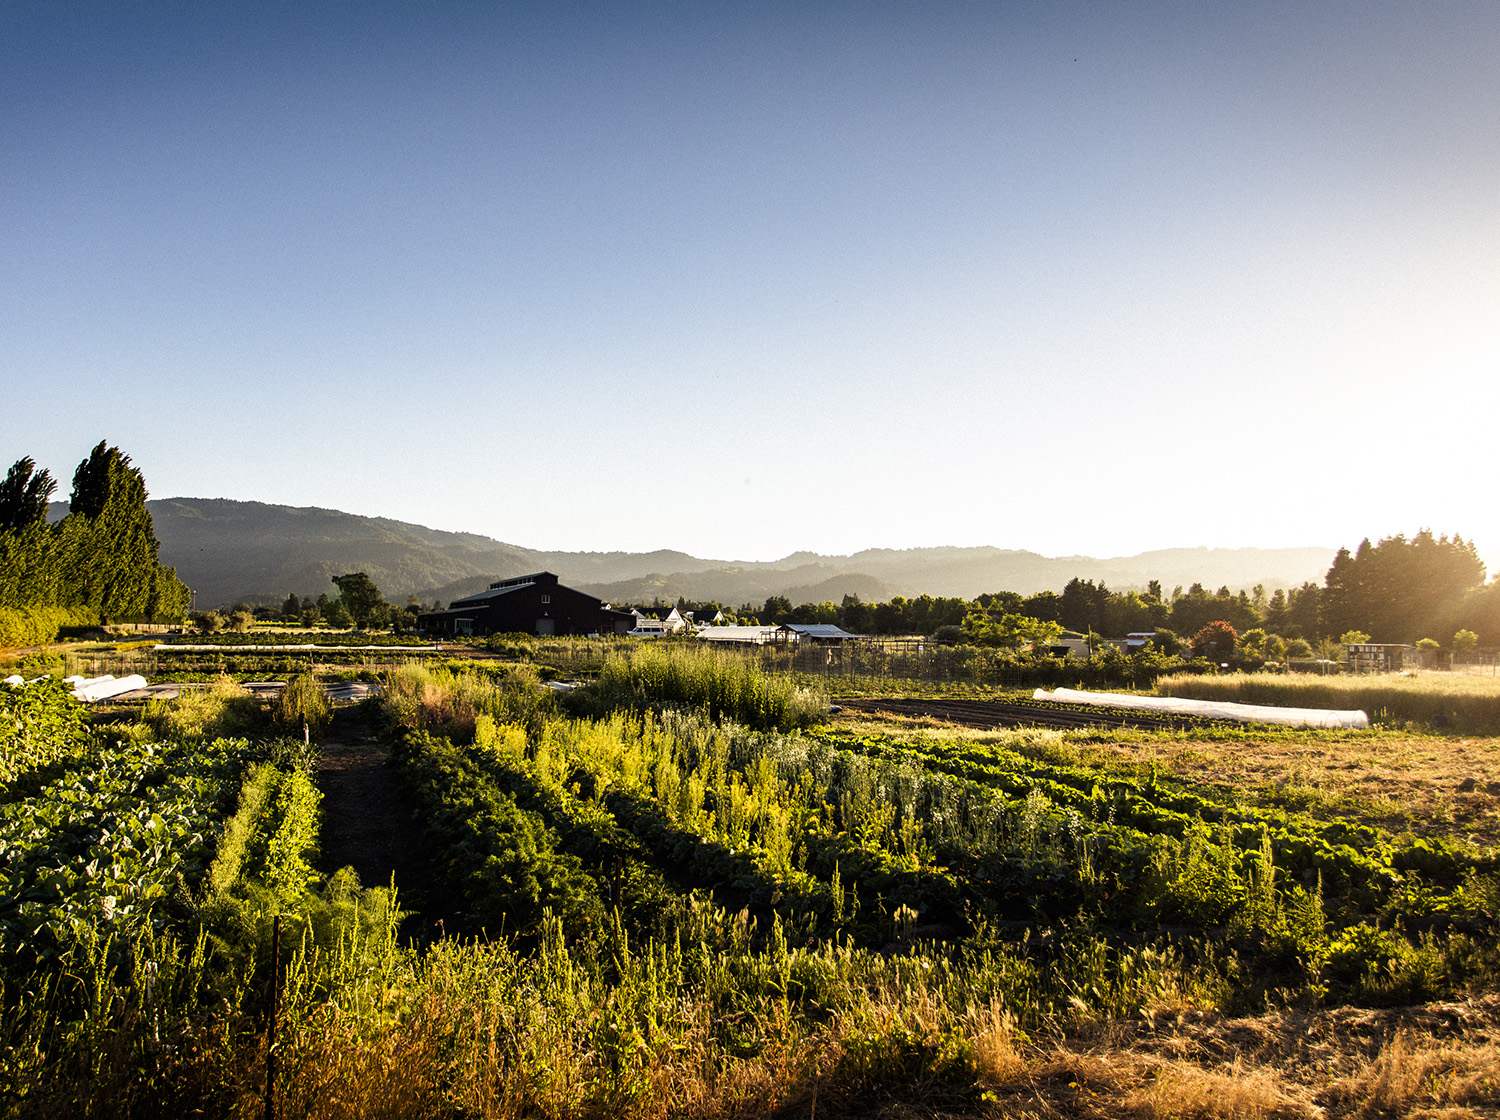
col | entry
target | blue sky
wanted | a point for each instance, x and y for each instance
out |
(746, 279)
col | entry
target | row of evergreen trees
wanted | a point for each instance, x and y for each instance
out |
(97, 564)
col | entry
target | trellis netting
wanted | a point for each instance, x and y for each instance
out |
(1210, 709)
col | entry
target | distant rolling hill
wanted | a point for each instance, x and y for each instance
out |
(227, 551)
(230, 551)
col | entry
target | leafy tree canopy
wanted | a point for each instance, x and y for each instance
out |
(1217, 640)
(360, 597)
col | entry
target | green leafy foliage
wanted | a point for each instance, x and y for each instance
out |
(39, 722)
(1399, 588)
(38, 625)
(24, 495)
(361, 599)
(506, 860)
(112, 840)
(100, 560)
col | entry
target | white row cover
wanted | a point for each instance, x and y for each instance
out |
(177, 647)
(89, 689)
(1211, 709)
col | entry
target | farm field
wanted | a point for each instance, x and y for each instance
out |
(684, 890)
(1437, 786)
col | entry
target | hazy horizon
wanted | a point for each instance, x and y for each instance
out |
(748, 281)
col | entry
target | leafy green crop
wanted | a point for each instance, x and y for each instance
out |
(39, 722)
(116, 840)
(504, 859)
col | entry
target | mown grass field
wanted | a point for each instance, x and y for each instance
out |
(678, 892)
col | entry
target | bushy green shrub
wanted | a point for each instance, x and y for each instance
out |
(1381, 968)
(722, 684)
(35, 626)
(301, 703)
(448, 700)
(222, 710)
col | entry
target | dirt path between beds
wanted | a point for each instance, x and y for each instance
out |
(369, 824)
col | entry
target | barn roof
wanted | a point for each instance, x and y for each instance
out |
(504, 587)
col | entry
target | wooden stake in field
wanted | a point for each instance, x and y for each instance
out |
(270, 1109)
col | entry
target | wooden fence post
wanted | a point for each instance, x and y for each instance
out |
(270, 1109)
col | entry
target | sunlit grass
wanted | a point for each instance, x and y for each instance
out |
(1458, 701)
(721, 683)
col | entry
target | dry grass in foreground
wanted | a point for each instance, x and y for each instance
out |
(1439, 1061)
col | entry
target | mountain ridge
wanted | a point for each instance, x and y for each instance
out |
(229, 550)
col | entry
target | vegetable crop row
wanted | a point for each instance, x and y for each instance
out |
(1348, 858)
(117, 840)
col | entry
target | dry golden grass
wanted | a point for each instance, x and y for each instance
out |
(459, 1052)
(1182, 1091)
(1430, 785)
(1444, 699)
(1104, 1083)
(996, 1059)
(456, 1053)
(1422, 1077)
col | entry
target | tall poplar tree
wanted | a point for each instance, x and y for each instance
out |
(29, 567)
(24, 495)
(112, 541)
